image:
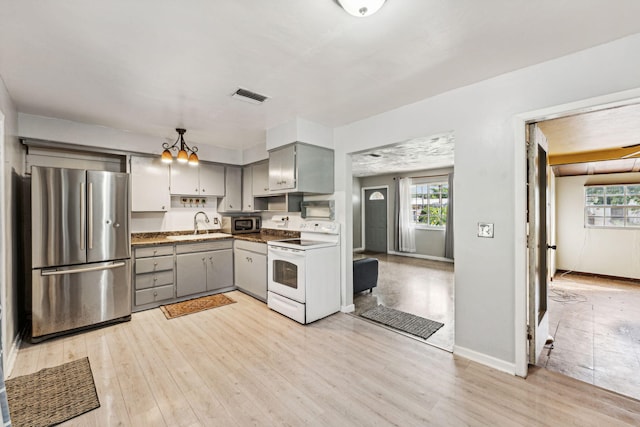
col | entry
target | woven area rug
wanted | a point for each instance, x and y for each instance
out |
(195, 305)
(405, 322)
(52, 395)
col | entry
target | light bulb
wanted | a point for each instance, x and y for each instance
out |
(361, 8)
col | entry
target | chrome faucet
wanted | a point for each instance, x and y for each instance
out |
(195, 221)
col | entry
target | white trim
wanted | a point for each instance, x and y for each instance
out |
(421, 256)
(363, 209)
(348, 308)
(4, 280)
(13, 353)
(612, 100)
(358, 250)
(483, 359)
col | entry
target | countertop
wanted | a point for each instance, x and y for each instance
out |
(161, 238)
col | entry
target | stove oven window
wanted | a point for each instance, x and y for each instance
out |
(285, 273)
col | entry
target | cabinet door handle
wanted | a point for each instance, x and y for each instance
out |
(155, 294)
(203, 190)
(196, 190)
(203, 259)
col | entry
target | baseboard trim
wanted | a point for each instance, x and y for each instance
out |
(348, 308)
(490, 361)
(13, 353)
(358, 249)
(421, 256)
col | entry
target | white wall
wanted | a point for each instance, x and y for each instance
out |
(50, 129)
(612, 252)
(489, 177)
(10, 171)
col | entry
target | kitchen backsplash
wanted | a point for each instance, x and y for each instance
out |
(182, 219)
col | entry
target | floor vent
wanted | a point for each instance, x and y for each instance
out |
(247, 95)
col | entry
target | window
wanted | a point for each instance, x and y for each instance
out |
(612, 206)
(429, 203)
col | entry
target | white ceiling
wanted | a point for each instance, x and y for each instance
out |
(149, 66)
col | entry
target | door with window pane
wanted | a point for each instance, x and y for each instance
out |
(375, 220)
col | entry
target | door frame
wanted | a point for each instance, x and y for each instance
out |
(363, 225)
(520, 121)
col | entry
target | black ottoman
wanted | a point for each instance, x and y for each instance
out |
(365, 274)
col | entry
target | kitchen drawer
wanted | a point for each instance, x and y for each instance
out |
(160, 263)
(154, 251)
(201, 247)
(149, 280)
(148, 296)
(257, 247)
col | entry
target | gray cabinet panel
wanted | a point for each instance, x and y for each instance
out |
(148, 296)
(260, 179)
(219, 269)
(247, 190)
(251, 272)
(154, 251)
(147, 265)
(282, 168)
(191, 275)
(232, 200)
(149, 280)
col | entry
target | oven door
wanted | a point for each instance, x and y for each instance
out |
(286, 272)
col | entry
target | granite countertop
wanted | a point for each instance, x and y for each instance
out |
(162, 237)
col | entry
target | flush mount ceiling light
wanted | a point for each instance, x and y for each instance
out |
(186, 154)
(361, 8)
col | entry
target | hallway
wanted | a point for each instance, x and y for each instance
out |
(413, 285)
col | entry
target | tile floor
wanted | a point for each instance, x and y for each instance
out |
(595, 323)
(417, 286)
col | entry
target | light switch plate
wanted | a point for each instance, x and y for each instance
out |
(485, 229)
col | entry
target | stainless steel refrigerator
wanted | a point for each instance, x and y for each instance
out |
(81, 250)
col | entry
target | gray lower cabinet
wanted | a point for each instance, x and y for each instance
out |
(250, 268)
(153, 275)
(203, 267)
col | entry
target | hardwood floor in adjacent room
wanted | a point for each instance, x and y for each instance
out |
(418, 286)
(243, 364)
(595, 322)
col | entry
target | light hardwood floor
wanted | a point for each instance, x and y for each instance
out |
(243, 364)
(418, 286)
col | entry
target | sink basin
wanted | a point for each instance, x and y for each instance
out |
(210, 236)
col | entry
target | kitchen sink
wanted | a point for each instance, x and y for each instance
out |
(210, 236)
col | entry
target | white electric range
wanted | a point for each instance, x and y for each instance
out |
(304, 273)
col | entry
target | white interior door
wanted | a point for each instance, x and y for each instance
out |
(537, 240)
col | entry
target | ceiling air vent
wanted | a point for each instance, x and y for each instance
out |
(248, 96)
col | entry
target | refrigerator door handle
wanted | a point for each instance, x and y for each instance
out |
(83, 216)
(82, 269)
(90, 215)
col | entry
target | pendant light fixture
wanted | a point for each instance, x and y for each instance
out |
(186, 154)
(361, 8)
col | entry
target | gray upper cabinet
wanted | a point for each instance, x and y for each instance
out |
(201, 180)
(247, 191)
(260, 179)
(232, 200)
(301, 167)
(149, 185)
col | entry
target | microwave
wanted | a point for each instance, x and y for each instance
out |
(240, 224)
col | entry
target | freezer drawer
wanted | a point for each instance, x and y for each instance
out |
(67, 298)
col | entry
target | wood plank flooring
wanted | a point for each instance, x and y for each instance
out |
(242, 365)
(418, 286)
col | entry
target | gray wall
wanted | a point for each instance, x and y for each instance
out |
(428, 242)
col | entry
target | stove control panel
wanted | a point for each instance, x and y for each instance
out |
(327, 227)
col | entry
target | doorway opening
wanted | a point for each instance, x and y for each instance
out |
(591, 248)
(417, 281)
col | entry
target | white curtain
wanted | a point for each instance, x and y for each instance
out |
(406, 227)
